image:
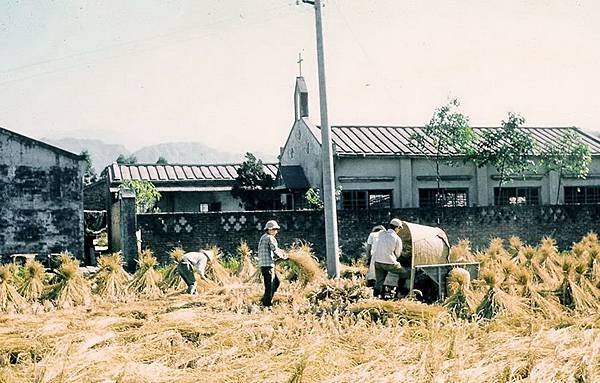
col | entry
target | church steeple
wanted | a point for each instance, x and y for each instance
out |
(300, 93)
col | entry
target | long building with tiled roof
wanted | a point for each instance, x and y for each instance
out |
(380, 166)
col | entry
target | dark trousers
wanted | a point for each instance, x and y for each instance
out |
(187, 273)
(382, 270)
(271, 282)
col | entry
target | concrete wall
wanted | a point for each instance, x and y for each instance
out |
(94, 195)
(41, 198)
(566, 224)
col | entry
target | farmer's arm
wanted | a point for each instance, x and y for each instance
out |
(280, 254)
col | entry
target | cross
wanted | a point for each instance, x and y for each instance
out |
(300, 63)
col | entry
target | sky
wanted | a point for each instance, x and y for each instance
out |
(222, 72)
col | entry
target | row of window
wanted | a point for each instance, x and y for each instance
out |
(457, 197)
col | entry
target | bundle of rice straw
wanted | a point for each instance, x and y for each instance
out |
(32, 286)
(515, 244)
(461, 252)
(10, 299)
(380, 310)
(496, 301)
(111, 280)
(146, 279)
(216, 272)
(460, 301)
(301, 256)
(570, 294)
(548, 306)
(247, 270)
(332, 297)
(70, 287)
(171, 278)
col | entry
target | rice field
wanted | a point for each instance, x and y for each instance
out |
(533, 316)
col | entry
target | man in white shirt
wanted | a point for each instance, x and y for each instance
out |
(371, 245)
(194, 261)
(386, 254)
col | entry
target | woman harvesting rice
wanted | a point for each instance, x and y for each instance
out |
(268, 252)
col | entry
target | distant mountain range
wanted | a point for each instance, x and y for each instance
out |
(104, 154)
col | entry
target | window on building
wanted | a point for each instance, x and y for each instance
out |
(517, 196)
(366, 199)
(576, 195)
(448, 197)
(207, 207)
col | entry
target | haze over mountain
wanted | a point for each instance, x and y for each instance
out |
(103, 154)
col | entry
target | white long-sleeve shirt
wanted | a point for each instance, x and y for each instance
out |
(389, 247)
(198, 260)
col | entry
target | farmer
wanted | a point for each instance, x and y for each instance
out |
(371, 244)
(194, 261)
(268, 253)
(386, 254)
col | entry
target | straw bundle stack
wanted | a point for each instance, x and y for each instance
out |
(70, 287)
(570, 294)
(111, 280)
(171, 278)
(460, 301)
(461, 252)
(496, 301)
(32, 287)
(216, 272)
(146, 280)
(10, 299)
(247, 270)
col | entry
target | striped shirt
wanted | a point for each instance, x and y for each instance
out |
(267, 250)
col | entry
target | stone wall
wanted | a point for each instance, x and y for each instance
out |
(566, 224)
(41, 197)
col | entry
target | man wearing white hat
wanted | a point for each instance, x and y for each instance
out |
(386, 254)
(268, 253)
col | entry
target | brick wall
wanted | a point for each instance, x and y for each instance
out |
(566, 224)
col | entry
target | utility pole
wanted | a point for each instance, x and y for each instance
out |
(331, 232)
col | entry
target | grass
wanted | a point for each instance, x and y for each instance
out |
(320, 331)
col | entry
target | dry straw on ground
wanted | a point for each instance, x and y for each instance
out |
(111, 280)
(10, 299)
(171, 279)
(69, 287)
(327, 331)
(33, 284)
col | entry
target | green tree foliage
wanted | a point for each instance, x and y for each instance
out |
(508, 149)
(89, 175)
(162, 161)
(446, 139)
(251, 183)
(146, 194)
(313, 199)
(568, 156)
(129, 160)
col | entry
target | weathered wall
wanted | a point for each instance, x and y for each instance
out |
(566, 224)
(41, 198)
(190, 201)
(302, 148)
(94, 195)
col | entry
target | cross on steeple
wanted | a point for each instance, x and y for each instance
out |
(300, 63)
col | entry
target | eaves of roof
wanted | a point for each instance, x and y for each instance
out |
(28, 140)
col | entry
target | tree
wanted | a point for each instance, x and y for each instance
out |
(446, 137)
(162, 161)
(89, 175)
(313, 198)
(568, 156)
(508, 149)
(129, 160)
(251, 183)
(146, 194)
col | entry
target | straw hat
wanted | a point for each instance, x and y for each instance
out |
(271, 225)
(396, 222)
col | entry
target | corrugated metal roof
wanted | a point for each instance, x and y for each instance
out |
(178, 172)
(395, 140)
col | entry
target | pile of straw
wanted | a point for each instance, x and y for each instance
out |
(333, 297)
(412, 311)
(171, 278)
(70, 287)
(10, 299)
(496, 301)
(460, 301)
(32, 287)
(146, 280)
(305, 264)
(461, 252)
(111, 280)
(571, 294)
